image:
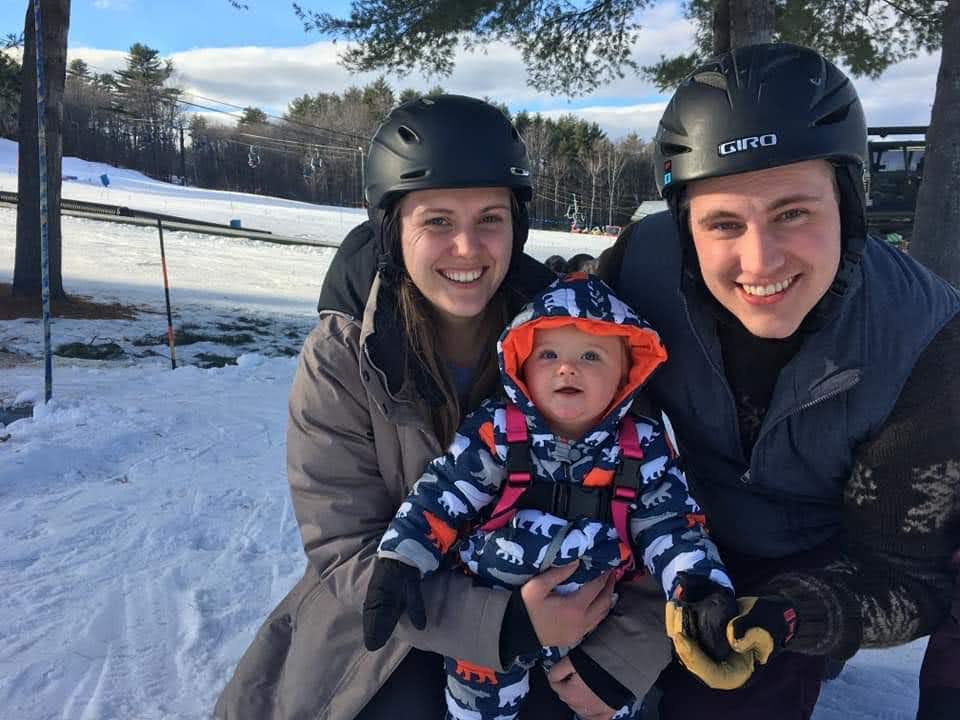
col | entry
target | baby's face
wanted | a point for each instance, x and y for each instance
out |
(573, 376)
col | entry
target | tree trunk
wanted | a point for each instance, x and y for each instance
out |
(721, 26)
(737, 23)
(936, 241)
(27, 272)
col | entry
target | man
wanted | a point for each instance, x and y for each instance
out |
(813, 382)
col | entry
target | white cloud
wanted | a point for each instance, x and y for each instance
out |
(270, 77)
(619, 121)
(903, 95)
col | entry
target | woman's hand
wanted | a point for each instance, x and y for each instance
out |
(564, 620)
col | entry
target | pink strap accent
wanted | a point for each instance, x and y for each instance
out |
(624, 495)
(619, 511)
(517, 482)
(628, 439)
(504, 509)
(516, 424)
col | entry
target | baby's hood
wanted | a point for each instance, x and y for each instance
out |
(588, 303)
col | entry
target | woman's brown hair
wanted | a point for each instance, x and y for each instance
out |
(420, 327)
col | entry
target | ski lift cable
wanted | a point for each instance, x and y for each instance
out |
(307, 145)
(353, 136)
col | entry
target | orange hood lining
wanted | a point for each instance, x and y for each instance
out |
(646, 351)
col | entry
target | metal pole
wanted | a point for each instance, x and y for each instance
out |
(166, 292)
(183, 160)
(44, 237)
(362, 178)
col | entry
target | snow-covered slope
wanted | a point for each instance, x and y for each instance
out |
(145, 527)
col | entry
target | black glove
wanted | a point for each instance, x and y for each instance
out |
(707, 608)
(394, 587)
(764, 626)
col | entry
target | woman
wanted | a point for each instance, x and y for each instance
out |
(404, 346)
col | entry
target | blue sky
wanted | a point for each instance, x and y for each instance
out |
(174, 25)
(263, 57)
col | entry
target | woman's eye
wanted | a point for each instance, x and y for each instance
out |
(436, 221)
(547, 355)
(487, 219)
(591, 356)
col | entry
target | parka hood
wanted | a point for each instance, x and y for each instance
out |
(587, 303)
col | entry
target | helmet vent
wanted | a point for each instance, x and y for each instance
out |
(711, 78)
(414, 174)
(408, 135)
(837, 116)
(670, 150)
(519, 171)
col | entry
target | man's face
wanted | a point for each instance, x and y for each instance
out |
(768, 242)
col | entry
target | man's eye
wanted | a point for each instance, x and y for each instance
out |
(793, 214)
(724, 226)
(591, 356)
(491, 219)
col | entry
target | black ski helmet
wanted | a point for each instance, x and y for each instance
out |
(446, 141)
(759, 107)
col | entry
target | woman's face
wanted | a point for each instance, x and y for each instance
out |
(456, 246)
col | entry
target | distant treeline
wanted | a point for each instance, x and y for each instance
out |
(137, 118)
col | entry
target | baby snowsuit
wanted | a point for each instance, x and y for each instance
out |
(459, 491)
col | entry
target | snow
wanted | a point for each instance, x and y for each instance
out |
(145, 525)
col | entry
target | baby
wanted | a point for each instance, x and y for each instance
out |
(562, 469)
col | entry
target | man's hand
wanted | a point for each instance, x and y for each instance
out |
(707, 608)
(570, 688)
(564, 620)
(394, 587)
(728, 674)
(764, 626)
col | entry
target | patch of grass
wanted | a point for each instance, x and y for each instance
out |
(90, 351)
(233, 340)
(242, 327)
(69, 306)
(212, 360)
(187, 336)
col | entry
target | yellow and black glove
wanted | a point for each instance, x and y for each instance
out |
(707, 608)
(697, 617)
(726, 674)
(764, 626)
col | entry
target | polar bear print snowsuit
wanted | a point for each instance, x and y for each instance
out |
(459, 490)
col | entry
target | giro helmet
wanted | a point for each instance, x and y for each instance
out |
(758, 107)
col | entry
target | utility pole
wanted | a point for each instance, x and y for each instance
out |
(183, 159)
(363, 200)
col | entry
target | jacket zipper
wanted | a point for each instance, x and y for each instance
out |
(845, 387)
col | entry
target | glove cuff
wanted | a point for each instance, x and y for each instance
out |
(517, 636)
(828, 617)
(603, 684)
